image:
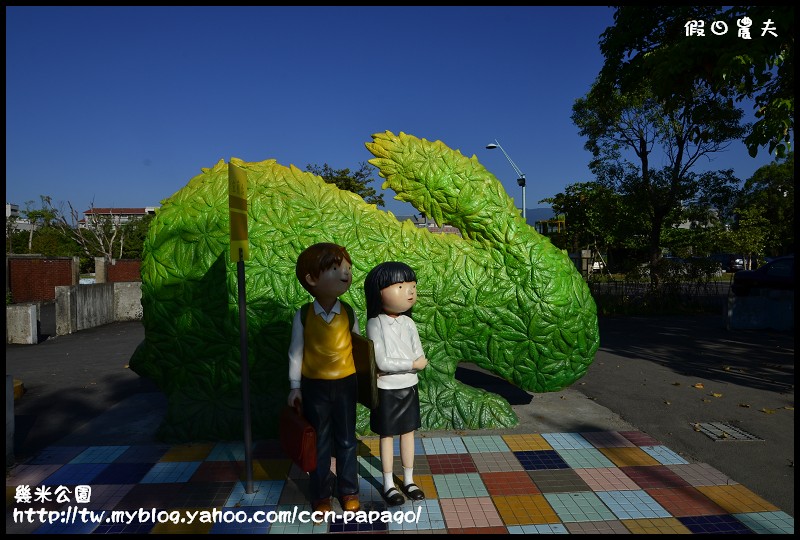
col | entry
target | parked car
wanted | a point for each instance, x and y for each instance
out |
(777, 274)
(729, 261)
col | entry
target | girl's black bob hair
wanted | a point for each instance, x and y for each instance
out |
(382, 276)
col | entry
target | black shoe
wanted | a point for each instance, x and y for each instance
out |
(412, 491)
(393, 497)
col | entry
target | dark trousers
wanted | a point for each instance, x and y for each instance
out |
(330, 406)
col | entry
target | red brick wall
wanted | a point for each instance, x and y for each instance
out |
(124, 270)
(34, 279)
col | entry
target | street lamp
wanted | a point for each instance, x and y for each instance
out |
(520, 174)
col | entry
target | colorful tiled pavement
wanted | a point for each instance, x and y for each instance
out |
(556, 483)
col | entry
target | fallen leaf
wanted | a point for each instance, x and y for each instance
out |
(716, 394)
(696, 427)
(724, 435)
(726, 368)
(788, 407)
(744, 405)
(768, 411)
(667, 403)
(676, 384)
(704, 400)
(698, 385)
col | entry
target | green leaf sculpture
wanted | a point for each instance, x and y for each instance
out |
(500, 295)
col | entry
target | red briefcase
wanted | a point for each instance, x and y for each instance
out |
(298, 438)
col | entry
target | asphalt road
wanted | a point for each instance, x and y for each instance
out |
(664, 375)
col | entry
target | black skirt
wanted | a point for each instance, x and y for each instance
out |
(397, 412)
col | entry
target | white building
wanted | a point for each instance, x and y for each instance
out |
(12, 213)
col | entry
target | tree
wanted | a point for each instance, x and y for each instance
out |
(135, 232)
(636, 124)
(594, 215)
(357, 181)
(650, 43)
(51, 242)
(749, 237)
(771, 189)
(41, 217)
(97, 235)
(11, 231)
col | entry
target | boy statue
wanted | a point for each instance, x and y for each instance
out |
(322, 374)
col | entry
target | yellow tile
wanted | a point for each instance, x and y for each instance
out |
(656, 526)
(270, 469)
(425, 483)
(525, 509)
(737, 499)
(370, 446)
(526, 442)
(628, 457)
(188, 452)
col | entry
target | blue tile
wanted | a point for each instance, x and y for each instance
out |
(170, 472)
(536, 460)
(444, 445)
(123, 473)
(720, 524)
(566, 441)
(767, 522)
(100, 454)
(75, 474)
(664, 455)
(632, 504)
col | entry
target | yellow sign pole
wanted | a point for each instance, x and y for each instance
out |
(240, 252)
(237, 205)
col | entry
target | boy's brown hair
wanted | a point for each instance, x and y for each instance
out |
(318, 258)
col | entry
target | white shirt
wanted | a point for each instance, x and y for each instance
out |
(297, 342)
(397, 345)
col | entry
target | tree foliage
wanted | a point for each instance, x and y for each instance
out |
(596, 217)
(649, 43)
(771, 188)
(631, 133)
(357, 181)
(56, 233)
(97, 234)
(38, 217)
(750, 236)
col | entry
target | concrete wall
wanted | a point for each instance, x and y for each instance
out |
(764, 309)
(128, 301)
(75, 308)
(83, 306)
(21, 324)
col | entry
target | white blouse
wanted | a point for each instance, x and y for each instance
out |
(397, 345)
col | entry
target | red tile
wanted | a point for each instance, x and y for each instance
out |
(451, 463)
(509, 483)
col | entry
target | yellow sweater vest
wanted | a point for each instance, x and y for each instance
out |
(327, 347)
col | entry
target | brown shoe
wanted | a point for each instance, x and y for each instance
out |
(350, 503)
(321, 505)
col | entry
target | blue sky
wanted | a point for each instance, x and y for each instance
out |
(122, 106)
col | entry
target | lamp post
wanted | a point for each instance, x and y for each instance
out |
(520, 174)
